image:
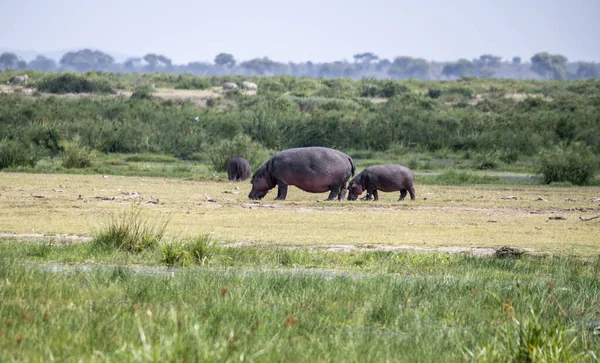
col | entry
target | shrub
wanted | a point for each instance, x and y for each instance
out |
(462, 91)
(74, 83)
(129, 232)
(74, 155)
(46, 136)
(434, 92)
(142, 92)
(570, 165)
(183, 253)
(391, 88)
(338, 88)
(193, 82)
(240, 145)
(15, 153)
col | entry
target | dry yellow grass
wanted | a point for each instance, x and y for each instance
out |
(466, 216)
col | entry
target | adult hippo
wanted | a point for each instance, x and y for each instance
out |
(238, 169)
(249, 86)
(387, 178)
(230, 86)
(18, 79)
(312, 169)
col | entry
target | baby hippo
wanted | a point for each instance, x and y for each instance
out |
(387, 178)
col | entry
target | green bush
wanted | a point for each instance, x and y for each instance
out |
(241, 145)
(434, 92)
(130, 232)
(183, 253)
(46, 136)
(74, 83)
(74, 155)
(142, 92)
(14, 153)
(389, 89)
(338, 88)
(577, 166)
(192, 82)
(463, 91)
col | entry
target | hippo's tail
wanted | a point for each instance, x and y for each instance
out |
(353, 168)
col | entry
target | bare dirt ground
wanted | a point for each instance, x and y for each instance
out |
(198, 97)
(469, 219)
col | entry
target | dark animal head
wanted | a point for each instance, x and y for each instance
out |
(355, 189)
(262, 181)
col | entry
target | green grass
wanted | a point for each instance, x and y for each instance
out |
(370, 306)
(130, 231)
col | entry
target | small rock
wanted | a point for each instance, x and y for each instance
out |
(557, 218)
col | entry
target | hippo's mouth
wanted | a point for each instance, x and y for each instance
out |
(256, 195)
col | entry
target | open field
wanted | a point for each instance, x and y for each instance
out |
(300, 280)
(411, 307)
(543, 218)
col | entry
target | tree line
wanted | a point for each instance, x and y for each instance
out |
(542, 65)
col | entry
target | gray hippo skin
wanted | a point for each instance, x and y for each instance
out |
(387, 178)
(238, 169)
(312, 169)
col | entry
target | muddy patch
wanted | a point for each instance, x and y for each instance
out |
(474, 251)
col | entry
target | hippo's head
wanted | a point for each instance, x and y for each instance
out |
(355, 189)
(262, 182)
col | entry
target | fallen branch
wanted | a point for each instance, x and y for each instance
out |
(583, 219)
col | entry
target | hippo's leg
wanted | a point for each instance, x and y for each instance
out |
(335, 191)
(367, 197)
(411, 190)
(403, 194)
(343, 191)
(375, 195)
(281, 191)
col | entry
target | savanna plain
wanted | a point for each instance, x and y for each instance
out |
(121, 238)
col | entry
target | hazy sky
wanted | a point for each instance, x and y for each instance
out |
(317, 30)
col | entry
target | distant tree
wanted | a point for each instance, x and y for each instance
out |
(157, 62)
(383, 64)
(336, 70)
(42, 63)
(488, 60)
(549, 65)
(458, 69)
(486, 64)
(225, 59)
(516, 60)
(133, 64)
(199, 67)
(407, 67)
(9, 61)
(310, 69)
(262, 65)
(87, 59)
(365, 59)
(588, 70)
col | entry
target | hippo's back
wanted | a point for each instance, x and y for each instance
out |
(312, 168)
(390, 177)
